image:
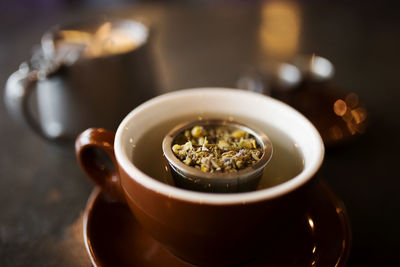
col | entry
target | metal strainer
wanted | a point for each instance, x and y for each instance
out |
(191, 178)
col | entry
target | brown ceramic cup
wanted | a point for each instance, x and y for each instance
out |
(208, 229)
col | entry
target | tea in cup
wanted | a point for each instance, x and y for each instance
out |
(201, 227)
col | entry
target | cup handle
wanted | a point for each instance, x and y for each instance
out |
(96, 167)
(18, 89)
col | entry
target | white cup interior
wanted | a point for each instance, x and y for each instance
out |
(230, 102)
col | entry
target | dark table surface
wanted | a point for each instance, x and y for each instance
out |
(43, 192)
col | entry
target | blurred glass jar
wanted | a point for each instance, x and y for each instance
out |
(305, 84)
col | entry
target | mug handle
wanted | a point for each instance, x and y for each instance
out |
(96, 168)
(18, 89)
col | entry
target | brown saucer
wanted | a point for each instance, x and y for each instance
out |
(319, 238)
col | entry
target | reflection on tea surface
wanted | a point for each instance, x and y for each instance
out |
(286, 161)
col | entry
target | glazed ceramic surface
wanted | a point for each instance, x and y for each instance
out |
(204, 228)
(319, 237)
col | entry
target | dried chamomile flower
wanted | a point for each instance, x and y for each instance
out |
(217, 149)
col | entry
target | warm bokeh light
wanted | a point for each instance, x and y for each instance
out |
(352, 100)
(311, 223)
(353, 114)
(105, 40)
(340, 107)
(280, 29)
(359, 115)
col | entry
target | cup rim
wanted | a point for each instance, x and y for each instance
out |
(215, 198)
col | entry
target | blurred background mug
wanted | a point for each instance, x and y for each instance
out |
(87, 75)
